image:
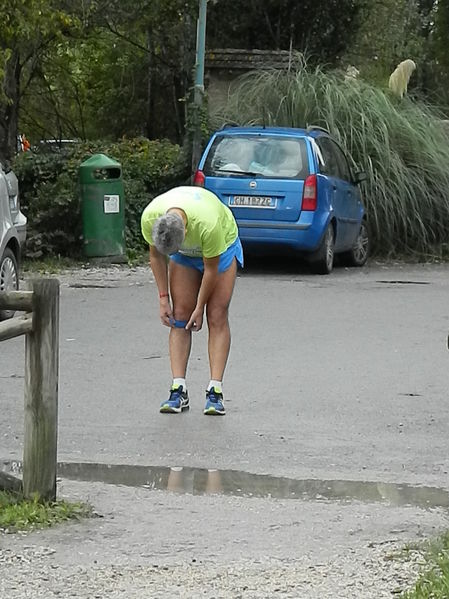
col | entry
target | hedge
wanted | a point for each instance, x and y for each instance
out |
(50, 198)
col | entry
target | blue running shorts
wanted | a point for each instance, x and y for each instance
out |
(234, 251)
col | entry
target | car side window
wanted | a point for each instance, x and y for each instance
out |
(343, 166)
(331, 164)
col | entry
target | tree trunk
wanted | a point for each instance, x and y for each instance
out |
(9, 109)
(149, 128)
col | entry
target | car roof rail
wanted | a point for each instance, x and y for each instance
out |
(317, 128)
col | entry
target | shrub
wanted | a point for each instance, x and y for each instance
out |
(399, 143)
(50, 195)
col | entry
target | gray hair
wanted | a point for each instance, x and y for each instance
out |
(168, 233)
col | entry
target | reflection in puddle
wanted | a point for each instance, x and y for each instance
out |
(199, 481)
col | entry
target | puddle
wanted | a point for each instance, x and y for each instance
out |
(404, 282)
(91, 286)
(201, 481)
(198, 481)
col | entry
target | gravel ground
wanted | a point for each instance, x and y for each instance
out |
(155, 544)
(359, 576)
(91, 275)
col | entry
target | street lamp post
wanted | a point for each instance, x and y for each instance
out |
(199, 82)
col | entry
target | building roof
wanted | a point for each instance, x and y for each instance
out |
(232, 59)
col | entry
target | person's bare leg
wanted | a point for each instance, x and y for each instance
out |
(217, 319)
(184, 285)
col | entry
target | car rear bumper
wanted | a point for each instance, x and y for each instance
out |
(300, 236)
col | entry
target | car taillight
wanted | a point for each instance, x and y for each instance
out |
(309, 196)
(199, 178)
(14, 205)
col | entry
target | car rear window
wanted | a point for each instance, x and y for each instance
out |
(272, 157)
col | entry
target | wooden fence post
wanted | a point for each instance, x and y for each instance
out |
(41, 393)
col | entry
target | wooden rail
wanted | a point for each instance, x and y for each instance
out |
(40, 325)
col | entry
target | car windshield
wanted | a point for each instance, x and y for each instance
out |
(257, 156)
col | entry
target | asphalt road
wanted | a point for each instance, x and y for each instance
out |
(339, 384)
(337, 377)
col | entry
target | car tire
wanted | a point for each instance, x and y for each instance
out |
(358, 254)
(322, 261)
(9, 278)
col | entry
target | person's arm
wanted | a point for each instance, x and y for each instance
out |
(158, 264)
(208, 283)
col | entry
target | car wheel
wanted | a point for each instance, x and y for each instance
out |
(9, 278)
(322, 261)
(358, 254)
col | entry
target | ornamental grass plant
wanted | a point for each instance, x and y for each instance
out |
(400, 144)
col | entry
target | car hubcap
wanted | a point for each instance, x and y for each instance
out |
(8, 276)
(361, 245)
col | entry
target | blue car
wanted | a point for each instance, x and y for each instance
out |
(291, 190)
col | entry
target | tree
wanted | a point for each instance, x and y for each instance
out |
(128, 72)
(113, 68)
(28, 31)
(442, 32)
(390, 31)
(89, 88)
(158, 37)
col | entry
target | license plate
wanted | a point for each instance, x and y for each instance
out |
(252, 202)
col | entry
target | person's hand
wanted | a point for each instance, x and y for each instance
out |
(196, 320)
(165, 312)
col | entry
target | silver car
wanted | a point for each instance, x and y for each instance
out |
(12, 233)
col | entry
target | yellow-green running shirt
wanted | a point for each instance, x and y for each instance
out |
(211, 226)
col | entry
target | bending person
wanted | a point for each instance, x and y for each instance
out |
(199, 234)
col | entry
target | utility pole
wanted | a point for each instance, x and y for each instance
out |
(199, 82)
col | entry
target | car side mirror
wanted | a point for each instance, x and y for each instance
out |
(359, 177)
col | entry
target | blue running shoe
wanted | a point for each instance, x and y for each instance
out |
(214, 403)
(176, 403)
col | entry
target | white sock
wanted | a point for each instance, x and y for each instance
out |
(178, 382)
(218, 385)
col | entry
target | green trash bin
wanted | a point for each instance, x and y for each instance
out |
(102, 207)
